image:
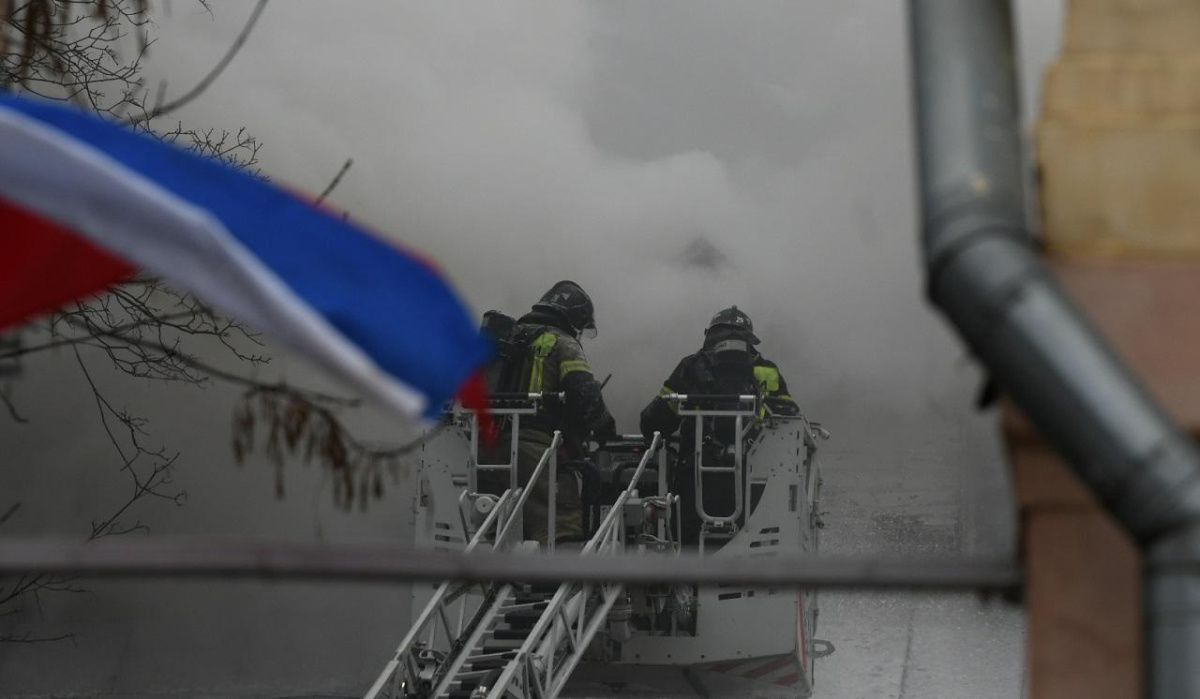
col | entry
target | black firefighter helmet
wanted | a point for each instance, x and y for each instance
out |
(730, 323)
(570, 301)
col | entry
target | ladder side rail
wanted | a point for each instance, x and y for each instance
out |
(534, 400)
(548, 456)
(389, 671)
(576, 624)
(662, 490)
(611, 518)
(552, 493)
(609, 531)
(698, 486)
(513, 449)
(514, 427)
(473, 460)
(448, 672)
(481, 621)
(741, 493)
(739, 473)
(481, 617)
(434, 604)
(465, 521)
(610, 595)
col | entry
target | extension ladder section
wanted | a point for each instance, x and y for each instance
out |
(722, 526)
(508, 640)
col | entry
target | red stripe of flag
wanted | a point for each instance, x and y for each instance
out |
(43, 266)
(766, 669)
(727, 665)
(789, 680)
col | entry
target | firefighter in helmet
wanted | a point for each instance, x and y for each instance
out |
(727, 364)
(553, 362)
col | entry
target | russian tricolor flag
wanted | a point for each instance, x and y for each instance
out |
(83, 202)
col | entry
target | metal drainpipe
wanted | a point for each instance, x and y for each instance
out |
(983, 274)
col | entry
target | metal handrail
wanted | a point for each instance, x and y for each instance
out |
(736, 471)
(503, 397)
(655, 444)
(436, 607)
(549, 456)
(544, 634)
(435, 603)
(515, 413)
(681, 397)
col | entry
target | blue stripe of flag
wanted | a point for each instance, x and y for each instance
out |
(394, 306)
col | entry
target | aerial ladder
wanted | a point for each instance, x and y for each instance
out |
(513, 639)
(506, 638)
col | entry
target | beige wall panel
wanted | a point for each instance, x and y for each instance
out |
(1132, 26)
(1115, 88)
(1120, 190)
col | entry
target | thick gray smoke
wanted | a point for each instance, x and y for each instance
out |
(526, 143)
(672, 157)
(523, 143)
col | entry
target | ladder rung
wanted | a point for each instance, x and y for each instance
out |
(471, 676)
(523, 606)
(523, 618)
(488, 663)
(506, 653)
(547, 588)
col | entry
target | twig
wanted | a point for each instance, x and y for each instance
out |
(153, 319)
(160, 110)
(5, 11)
(288, 424)
(172, 353)
(143, 485)
(28, 638)
(71, 50)
(12, 510)
(12, 409)
(336, 180)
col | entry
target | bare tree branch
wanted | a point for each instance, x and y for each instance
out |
(90, 52)
(336, 180)
(292, 425)
(28, 637)
(8, 514)
(132, 452)
(6, 399)
(200, 87)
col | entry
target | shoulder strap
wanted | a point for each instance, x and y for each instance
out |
(539, 342)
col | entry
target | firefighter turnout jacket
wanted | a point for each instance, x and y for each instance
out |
(708, 372)
(555, 363)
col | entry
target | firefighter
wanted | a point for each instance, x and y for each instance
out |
(553, 362)
(727, 364)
